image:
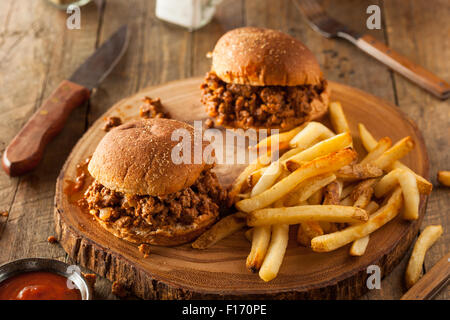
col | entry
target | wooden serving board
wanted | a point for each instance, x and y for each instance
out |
(219, 272)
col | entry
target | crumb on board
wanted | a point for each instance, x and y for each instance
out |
(209, 123)
(145, 249)
(119, 289)
(90, 278)
(52, 239)
(111, 122)
(152, 108)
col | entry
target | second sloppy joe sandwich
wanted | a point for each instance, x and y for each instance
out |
(139, 194)
(262, 78)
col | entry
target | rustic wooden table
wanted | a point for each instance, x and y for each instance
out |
(37, 51)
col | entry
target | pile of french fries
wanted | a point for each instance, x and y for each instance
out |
(321, 186)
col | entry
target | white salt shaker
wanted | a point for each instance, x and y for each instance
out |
(190, 14)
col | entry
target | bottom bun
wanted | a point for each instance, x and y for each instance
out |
(173, 236)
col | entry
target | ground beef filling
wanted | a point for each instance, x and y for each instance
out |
(257, 106)
(182, 207)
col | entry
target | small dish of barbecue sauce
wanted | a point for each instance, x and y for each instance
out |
(38, 285)
(42, 279)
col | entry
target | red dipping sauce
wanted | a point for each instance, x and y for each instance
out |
(37, 285)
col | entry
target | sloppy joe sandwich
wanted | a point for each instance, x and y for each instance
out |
(262, 78)
(139, 194)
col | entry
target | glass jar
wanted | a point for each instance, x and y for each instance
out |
(190, 14)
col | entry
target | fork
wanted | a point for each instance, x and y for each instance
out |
(330, 28)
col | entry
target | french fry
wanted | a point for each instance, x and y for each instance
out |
(279, 203)
(329, 163)
(369, 143)
(284, 174)
(327, 227)
(254, 177)
(291, 166)
(397, 151)
(322, 148)
(290, 153)
(249, 234)
(347, 201)
(282, 139)
(260, 243)
(267, 179)
(240, 214)
(332, 193)
(316, 198)
(341, 186)
(372, 207)
(302, 237)
(382, 145)
(387, 183)
(243, 195)
(337, 117)
(275, 253)
(236, 187)
(408, 183)
(358, 171)
(307, 231)
(424, 186)
(222, 229)
(359, 246)
(444, 178)
(307, 188)
(411, 195)
(299, 214)
(425, 240)
(335, 240)
(310, 133)
(347, 191)
(363, 189)
(364, 198)
(312, 191)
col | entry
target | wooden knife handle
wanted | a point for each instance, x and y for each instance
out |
(402, 65)
(431, 282)
(26, 149)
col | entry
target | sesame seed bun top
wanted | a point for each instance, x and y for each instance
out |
(264, 57)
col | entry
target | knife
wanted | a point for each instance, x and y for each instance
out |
(26, 149)
(319, 21)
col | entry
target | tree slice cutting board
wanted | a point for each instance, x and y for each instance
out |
(219, 272)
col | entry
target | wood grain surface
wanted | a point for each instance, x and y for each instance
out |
(219, 272)
(37, 52)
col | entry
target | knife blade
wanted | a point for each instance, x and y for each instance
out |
(26, 149)
(98, 66)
